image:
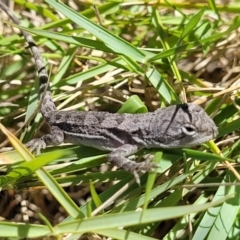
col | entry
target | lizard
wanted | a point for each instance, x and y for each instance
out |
(123, 135)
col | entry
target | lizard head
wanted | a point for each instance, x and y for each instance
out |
(185, 125)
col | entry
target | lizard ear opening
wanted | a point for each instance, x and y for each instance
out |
(188, 129)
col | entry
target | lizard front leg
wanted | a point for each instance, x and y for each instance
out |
(118, 157)
(55, 137)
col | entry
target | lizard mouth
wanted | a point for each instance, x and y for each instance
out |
(213, 134)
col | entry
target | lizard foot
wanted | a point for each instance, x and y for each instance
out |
(145, 166)
(36, 145)
(56, 137)
(131, 166)
(118, 157)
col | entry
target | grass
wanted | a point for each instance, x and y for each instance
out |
(133, 58)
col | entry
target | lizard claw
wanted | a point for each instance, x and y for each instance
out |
(136, 176)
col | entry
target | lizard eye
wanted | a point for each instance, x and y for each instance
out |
(188, 129)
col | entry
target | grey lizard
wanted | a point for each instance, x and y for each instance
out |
(176, 126)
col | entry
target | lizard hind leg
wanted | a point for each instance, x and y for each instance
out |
(118, 157)
(56, 137)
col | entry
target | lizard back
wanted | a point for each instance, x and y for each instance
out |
(175, 126)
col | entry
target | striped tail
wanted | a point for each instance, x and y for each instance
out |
(47, 104)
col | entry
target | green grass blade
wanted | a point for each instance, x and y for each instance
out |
(132, 218)
(19, 230)
(111, 41)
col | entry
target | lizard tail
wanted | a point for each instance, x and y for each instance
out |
(45, 95)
